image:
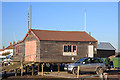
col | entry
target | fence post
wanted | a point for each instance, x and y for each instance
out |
(101, 76)
(105, 76)
(78, 69)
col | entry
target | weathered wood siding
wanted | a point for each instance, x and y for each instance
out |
(30, 37)
(52, 51)
(20, 55)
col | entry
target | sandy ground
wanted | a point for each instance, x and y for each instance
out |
(112, 74)
(63, 75)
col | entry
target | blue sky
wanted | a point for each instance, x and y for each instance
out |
(102, 19)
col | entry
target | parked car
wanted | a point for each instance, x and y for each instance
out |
(87, 65)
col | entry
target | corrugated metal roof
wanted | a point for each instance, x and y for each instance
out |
(105, 46)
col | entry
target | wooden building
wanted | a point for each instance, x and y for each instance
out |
(105, 50)
(55, 46)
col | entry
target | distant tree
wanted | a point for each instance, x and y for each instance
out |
(6, 53)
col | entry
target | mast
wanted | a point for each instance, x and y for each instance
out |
(30, 16)
(85, 21)
(28, 19)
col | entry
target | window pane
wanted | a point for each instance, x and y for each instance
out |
(69, 48)
(94, 61)
(65, 48)
(74, 48)
(87, 61)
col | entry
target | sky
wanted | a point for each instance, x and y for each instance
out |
(101, 19)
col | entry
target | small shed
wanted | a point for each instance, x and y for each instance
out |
(55, 46)
(105, 49)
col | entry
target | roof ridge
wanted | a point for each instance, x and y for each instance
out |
(57, 31)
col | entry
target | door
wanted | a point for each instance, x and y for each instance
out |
(90, 51)
(30, 51)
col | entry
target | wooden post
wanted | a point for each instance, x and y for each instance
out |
(51, 67)
(58, 67)
(42, 69)
(15, 72)
(21, 72)
(21, 66)
(39, 68)
(78, 69)
(101, 76)
(32, 69)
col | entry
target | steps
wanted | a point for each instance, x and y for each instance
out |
(15, 66)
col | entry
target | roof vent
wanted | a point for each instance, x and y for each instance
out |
(10, 43)
(90, 33)
(3, 47)
(13, 42)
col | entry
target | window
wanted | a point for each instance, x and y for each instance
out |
(65, 48)
(94, 61)
(74, 48)
(87, 61)
(70, 48)
(16, 49)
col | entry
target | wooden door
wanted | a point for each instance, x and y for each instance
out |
(90, 51)
(30, 51)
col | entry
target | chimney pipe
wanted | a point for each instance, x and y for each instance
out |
(13, 42)
(90, 33)
(3, 47)
(10, 43)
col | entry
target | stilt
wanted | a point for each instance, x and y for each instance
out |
(21, 72)
(51, 67)
(58, 67)
(26, 69)
(32, 69)
(21, 67)
(45, 69)
(42, 69)
(15, 72)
